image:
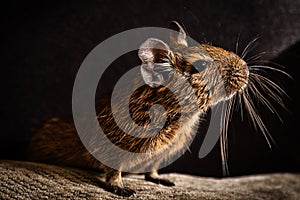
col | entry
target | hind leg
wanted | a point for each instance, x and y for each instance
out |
(154, 178)
(115, 184)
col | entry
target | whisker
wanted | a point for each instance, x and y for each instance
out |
(256, 119)
(258, 67)
(239, 105)
(226, 119)
(262, 62)
(237, 42)
(223, 140)
(266, 83)
(249, 47)
(255, 57)
(262, 87)
(264, 100)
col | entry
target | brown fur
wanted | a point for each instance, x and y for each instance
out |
(57, 141)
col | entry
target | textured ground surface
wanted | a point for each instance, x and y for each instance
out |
(24, 180)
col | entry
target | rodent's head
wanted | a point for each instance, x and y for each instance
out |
(214, 73)
(229, 67)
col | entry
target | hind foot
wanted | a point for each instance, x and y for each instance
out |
(154, 178)
(121, 191)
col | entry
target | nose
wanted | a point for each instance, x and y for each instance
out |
(245, 66)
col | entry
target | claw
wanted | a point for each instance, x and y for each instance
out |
(166, 182)
(125, 192)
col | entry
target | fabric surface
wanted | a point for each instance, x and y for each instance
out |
(26, 180)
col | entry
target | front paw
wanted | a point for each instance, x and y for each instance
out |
(122, 191)
(166, 182)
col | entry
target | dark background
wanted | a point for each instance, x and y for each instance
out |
(45, 42)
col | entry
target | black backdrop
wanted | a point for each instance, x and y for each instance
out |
(44, 43)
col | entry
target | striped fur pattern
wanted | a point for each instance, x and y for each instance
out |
(224, 74)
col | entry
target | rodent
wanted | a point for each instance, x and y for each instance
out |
(58, 143)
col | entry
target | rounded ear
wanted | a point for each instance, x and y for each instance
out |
(150, 76)
(177, 35)
(154, 55)
(153, 50)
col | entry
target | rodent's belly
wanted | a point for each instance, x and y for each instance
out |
(184, 136)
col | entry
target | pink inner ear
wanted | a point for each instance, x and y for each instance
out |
(151, 50)
(146, 55)
(151, 78)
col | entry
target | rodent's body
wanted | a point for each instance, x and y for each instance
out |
(57, 141)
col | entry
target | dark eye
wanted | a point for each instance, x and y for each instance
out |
(199, 66)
